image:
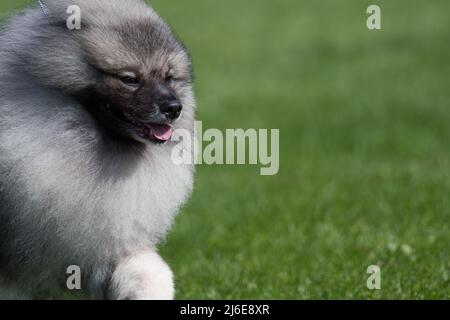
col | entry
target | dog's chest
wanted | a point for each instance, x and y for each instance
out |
(142, 204)
(129, 205)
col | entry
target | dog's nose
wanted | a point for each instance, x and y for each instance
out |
(171, 109)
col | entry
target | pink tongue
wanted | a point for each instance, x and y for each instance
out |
(162, 132)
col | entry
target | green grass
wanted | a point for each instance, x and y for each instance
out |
(365, 150)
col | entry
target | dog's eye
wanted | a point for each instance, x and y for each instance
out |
(170, 78)
(131, 81)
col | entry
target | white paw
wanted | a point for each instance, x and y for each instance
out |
(143, 277)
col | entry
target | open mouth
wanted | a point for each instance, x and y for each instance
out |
(155, 132)
(158, 132)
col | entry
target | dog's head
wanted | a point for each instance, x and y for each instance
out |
(124, 64)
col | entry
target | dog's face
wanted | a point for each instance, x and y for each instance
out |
(146, 103)
(142, 77)
(124, 65)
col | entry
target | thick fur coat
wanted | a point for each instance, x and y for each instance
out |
(71, 194)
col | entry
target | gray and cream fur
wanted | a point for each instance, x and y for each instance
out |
(72, 192)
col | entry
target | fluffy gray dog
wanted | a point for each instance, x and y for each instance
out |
(86, 175)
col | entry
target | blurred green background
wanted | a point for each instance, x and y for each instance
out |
(365, 149)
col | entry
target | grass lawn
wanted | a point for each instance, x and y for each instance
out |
(365, 150)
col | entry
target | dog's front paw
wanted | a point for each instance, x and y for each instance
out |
(143, 277)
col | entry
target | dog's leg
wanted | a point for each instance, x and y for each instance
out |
(143, 276)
